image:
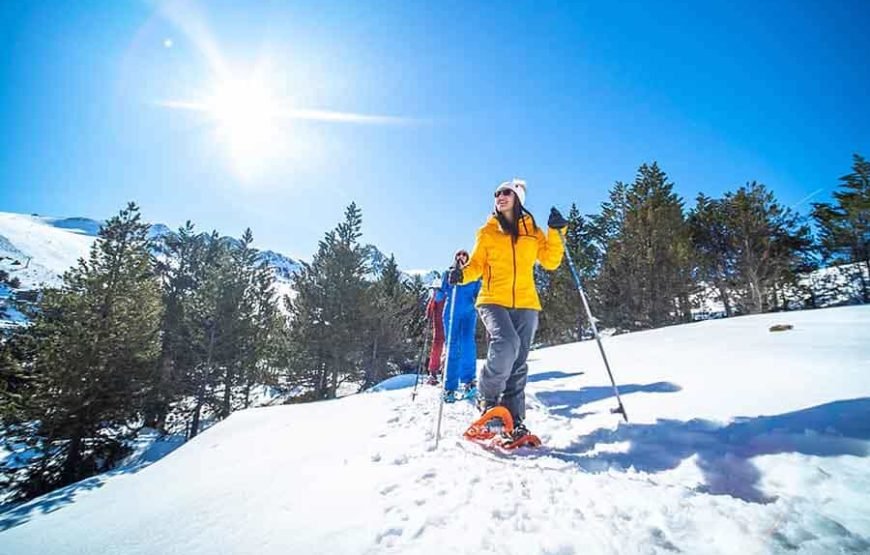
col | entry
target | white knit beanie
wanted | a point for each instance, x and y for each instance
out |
(518, 186)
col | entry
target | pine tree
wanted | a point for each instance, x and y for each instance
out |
(207, 326)
(844, 226)
(392, 314)
(267, 328)
(233, 327)
(767, 241)
(330, 305)
(16, 376)
(96, 344)
(179, 267)
(418, 292)
(646, 276)
(615, 277)
(237, 311)
(712, 237)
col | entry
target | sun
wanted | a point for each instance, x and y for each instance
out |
(258, 129)
(248, 123)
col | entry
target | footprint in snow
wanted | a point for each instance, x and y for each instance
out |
(389, 489)
(561, 550)
(503, 513)
(390, 534)
(659, 539)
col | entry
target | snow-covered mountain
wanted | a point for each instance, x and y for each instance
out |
(283, 266)
(39, 249)
(740, 440)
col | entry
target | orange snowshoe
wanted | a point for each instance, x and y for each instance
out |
(491, 423)
(517, 439)
(495, 428)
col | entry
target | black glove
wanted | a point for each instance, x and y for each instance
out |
(455, 275)
(556, 221)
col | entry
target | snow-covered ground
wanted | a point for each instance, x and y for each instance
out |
(741, 441)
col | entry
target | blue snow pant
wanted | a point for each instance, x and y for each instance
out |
(461, 351)
(503, 378)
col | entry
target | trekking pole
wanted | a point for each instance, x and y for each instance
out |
(621, 408)
(422, 359)
(446, 361)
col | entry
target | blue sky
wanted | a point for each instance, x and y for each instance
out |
(105, 102)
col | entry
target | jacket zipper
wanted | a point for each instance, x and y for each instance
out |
(514, 251)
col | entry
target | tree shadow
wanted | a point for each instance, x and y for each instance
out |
(562, 403)
(724, 452)
(554, 375)
(13, 516)
(48, 503)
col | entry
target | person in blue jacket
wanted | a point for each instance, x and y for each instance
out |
(461, 364)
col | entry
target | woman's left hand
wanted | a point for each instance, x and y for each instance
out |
(556, 221)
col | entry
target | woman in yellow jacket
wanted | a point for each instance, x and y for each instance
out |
(504, 256)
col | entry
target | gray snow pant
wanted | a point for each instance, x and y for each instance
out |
(503, 378)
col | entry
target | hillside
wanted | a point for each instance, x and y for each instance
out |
(740, 441)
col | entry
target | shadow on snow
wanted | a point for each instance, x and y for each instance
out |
(554, 375)
(724, 452)
(562, 403)
(57, 499)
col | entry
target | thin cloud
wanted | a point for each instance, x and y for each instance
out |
(348, 117)
(807, 198)
(308, 115)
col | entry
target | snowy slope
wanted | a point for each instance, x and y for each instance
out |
(741, 441)
(52, 250)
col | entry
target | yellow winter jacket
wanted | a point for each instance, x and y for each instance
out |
(507, 268)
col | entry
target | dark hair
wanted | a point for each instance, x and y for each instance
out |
(513, 228)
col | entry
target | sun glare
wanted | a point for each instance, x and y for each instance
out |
(253, 124)
(248, 123)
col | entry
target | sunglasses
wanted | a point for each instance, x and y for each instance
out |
(503, 192)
